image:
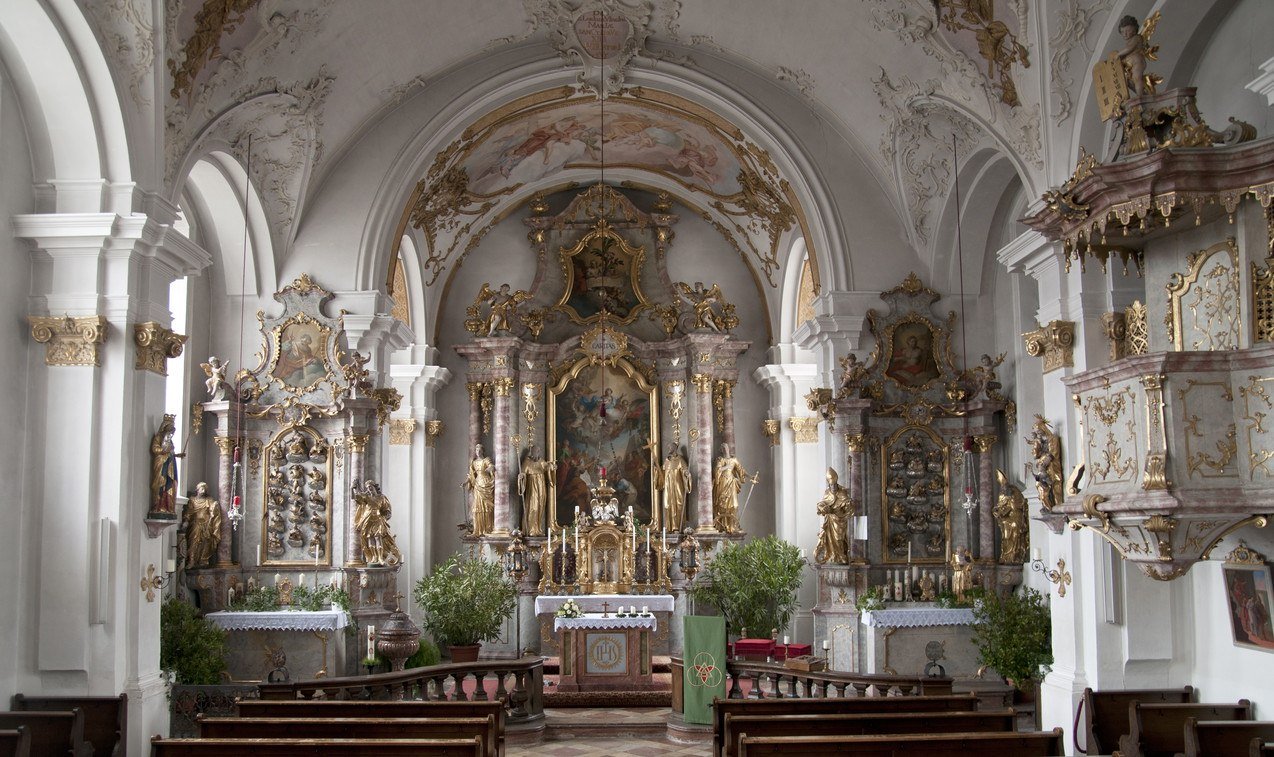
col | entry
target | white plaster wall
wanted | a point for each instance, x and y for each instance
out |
(16, 530)
(1232, 59)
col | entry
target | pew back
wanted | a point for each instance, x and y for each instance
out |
(1159, 729)
(1106, 713)
(862, 724)
(105, 718)
(316, 747)
(1209, 737)
(1261, 748)
(1037, 744)
(55, 734)
(15, 742)
(362, 728)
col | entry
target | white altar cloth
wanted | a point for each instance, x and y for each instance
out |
(592, 603)
(282, 620)
(595, 622)
(918, 617)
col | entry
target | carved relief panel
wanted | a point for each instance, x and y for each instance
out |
(297, 499)
(1203, 304)
(915, 496)
(1110, 433)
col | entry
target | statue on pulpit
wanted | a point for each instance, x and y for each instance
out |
(727, 482)
(673, 478)
(534, 480)
(202, 524)
(481, 485)
(836, 507)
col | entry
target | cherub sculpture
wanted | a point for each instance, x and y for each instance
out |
(852, 375)
(216, 384)
(357, 375)
(503, 304)
(711, 311)
(1135, 52)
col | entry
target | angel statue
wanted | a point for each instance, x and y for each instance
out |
(852, 375)
(1135, 52)
(504, 304)
(711, 311)
(1046, 466)
(216, 384)
(356, 374)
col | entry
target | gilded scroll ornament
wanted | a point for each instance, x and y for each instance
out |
(1243, 555)
(1137, 336)
(155, 344)
(771, 429)
(1055, 342)
(401, 430)
(1046, 463)
(1263, 294)
(1212, 297)
(1115, 326)
(805, 430)
(1226, 444)
(702, 382)
(836, 508)
(1155, 476)
(821, 400)
(70, 341)
(675, 393)
(997, 44)
(531, 396)
(1011, 513)
(1258, 405)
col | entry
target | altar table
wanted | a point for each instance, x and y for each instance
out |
(904, 640)
(256, 634)
(605, 653)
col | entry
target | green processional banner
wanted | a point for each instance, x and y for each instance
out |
(704, 649)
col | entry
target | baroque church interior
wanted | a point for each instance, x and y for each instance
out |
(800, 349)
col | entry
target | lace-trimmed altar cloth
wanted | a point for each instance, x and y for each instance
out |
(280, 620)
(595, 622)
(919, 617)
(593, 602)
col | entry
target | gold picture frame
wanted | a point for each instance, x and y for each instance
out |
(594, 279)
(913, 359)
(294, 354)
(279, 440)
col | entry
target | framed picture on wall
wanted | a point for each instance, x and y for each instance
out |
(1249, 598)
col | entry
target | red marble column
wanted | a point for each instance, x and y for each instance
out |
(357, 456)
(502, 428)
(701, 451)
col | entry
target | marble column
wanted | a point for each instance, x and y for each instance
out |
(727, 411)
(475, 415)
(357, 461)
(502, 428)
(856, 447)
(983, 444)
(701, 451)
(225, 495)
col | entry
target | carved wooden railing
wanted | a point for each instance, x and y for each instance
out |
(520, 683)
(768, 680)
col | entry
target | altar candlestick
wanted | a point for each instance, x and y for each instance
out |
(647, 541)
(786, 640)
(371, 642)
(826, 645)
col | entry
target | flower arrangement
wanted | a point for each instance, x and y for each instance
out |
(569, 609)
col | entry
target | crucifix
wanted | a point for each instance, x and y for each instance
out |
(605, 609)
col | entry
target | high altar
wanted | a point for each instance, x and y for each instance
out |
(593, 404)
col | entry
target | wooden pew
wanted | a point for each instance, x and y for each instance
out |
(1106, 713)
(832, 705)
(362, 728)
(1159, 729)
(1212, 737)
(53, 734)
(862, 724)
(1034, 744)
(1261, 748)
(105, 718)
(315, 747)
(16, 742)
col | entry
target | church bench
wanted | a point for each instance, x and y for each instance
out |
(862, 724)
(1106, 713)
(1260, 748)
(834, 705)
(363, 728)
(53, 734)
(1156, 729)
(1033, 744)
(315, 747)
(105, 718)
(346, 708)
(1210, 737)
(15, 742)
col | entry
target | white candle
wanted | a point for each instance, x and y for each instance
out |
(1036, 554)
(663, 535)
(277, 579)
(908, 554)
(230, 597)
(301, 582)
(786, 641)
(550, 545)
(371, 642)
(648, 541)
(634, 536)
(577, 541)
(170, 566)
(826, 645)
(645, 609)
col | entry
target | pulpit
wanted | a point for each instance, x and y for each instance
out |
(603, 652)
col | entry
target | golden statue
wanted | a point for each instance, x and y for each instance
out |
(1046, 467)
(371, 523)
(711, 311)
(727, 482)
(533, 484)
(961, 573)
(1135, 52)
(503, 303)
(1010, 512)
(201, 521)
(481, 485)
(835, 507)
(163, 470)
(673, 478)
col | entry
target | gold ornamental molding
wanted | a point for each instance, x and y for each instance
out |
(702, 382)
(155, 345)
(358, 443)
(771, 429)
(1115, 327)
(1263, 296)
(400, 430)
(70, 341)
(1055, 342)
(805, 429)
(1244, 555)
(433, 430)
(1212, 299)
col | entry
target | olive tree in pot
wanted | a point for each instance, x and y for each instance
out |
(465, 602)
(753, 584)
(1013, 635)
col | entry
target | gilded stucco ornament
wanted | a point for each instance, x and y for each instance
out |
(1055, 342)
(155, 345)
(771, 429)
(805, 430)
(1209, 290)
(433, 431)
(501, 306)
(401, 430)
(711, 311)
(70, 341)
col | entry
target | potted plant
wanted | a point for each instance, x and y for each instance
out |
(753, 584)
(1012, 634)
(465, 602)
(192, 649)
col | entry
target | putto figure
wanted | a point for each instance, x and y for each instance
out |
(836, 508)
(503, 304)
(216, 384)
(481, 486)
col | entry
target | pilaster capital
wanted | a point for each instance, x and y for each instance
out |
(225, 445)
(155, 345)
(434, 429)
(1055, 342)
(70, 341)
(401, 430)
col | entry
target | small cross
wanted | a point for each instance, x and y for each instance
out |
(605, 609)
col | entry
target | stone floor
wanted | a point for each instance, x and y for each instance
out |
(596, 732)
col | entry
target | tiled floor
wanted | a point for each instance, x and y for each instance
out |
(597, 732)
(604, 747)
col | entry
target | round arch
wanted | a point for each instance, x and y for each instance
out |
(215, 186)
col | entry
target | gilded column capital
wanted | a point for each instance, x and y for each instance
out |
(400, 430)
(702, 382)
(357, 443)
(725, 387)
(1115, 327)
(476, 388)
(770, 427)
(855, 442)
(984, 442)
(70, 341)
(503, 386)
(433, 430)
(155, 344)
(225, 445)
(1055, 342)
(805, 429)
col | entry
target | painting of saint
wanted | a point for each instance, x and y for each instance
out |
(1249, 597)
(602, 420)
(600, 280)
(302, 346)
(911, 359)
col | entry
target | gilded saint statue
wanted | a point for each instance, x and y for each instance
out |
(673, 479)
(503, 304)
(961, 573)
(371, 523)
(163, 470)
(727, 482)
(1046, 464)
(1010, 512)
(481, 486)
(533, 484)
(836, 507)
(201, 521)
